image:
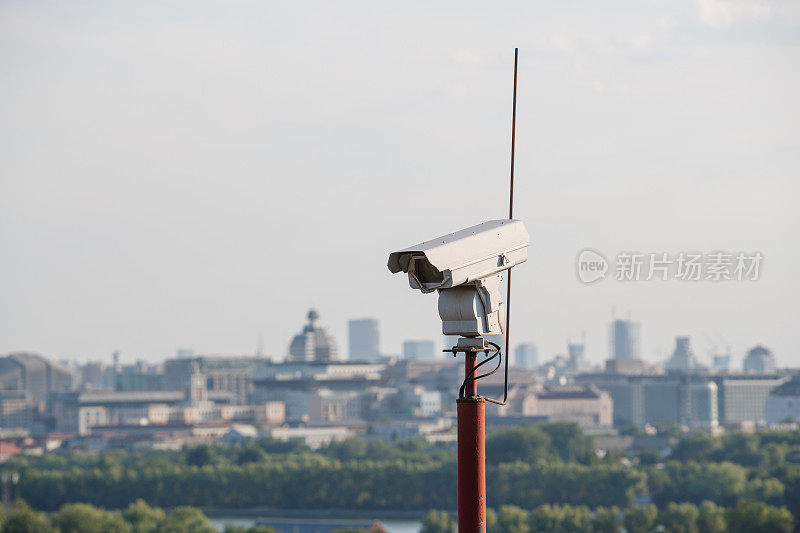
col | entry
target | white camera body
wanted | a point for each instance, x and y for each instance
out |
(465, 267)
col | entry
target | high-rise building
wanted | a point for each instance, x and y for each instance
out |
(526, 355)
(364, 339)
(314, 343)
(682, 359)
(721, 362)
(419, 350)
(759, 360)
(624, 340)
(576, 361)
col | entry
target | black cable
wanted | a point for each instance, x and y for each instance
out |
(469, 378)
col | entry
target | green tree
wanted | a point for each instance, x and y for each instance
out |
(711, 519)
(640, 518)
(695, 448)
(649, 456)
(789, 475)
(767, 490)
(250, 453)
(722, 483)
(438, 522)
(560, 519)
(23, 519)
(491, 519)
(200, 455)
(84, 518)
(353, 448)
(758, 517)
(185, 520)
(740, 448)
(606, 520)
(680, 517)
(142, 518)
(512, 519)
(569, 442)
(526, 443)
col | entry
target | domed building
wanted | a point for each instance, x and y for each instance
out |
(759, 360)
(314, 343)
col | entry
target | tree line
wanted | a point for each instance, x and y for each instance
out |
(138, 517)
(745, 517)
(528, 467)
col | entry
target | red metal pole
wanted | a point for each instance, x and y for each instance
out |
(471, 456)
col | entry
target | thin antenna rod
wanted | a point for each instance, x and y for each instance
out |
(513, 138)
(510, 216)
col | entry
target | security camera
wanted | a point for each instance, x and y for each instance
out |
(465, 267)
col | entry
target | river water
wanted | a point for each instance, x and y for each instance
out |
(391, 525)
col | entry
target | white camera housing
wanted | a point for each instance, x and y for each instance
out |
(465, 268)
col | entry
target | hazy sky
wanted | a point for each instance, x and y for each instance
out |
(189, 174)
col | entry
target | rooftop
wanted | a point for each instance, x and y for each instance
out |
(790, 388)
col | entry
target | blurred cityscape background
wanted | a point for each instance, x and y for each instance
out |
(319, 388)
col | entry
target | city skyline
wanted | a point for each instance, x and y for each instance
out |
(705, 359)
(172, 182)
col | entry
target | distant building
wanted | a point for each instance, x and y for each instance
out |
(682, 359)
(184, 353)
(783, 402)
(624, 340)
(743, 398)
(759, 360)
(34, 375)
(526, 355)
(17, 410)
(693, 400)
(314, 437)
(80, 412)
(584, 404)
(239, 433)
(701, 406)
(140, 376)
(721, 362)
(314, 343)
(140, 381)
(364, 339)
(412, 402)
(295, 383)
(419, 350)
(93, 376)
(626, 366)
(334, 406)
(576, 361)
(229, 374)
(400, 429)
